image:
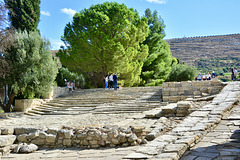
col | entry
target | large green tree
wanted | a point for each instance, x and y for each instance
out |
(33, 69)
(24, 14)
(158, 64)
(106, 38)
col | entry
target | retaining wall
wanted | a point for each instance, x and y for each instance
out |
(177, 91)
(23, 105)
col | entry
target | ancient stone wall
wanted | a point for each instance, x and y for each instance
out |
(86, 137)
(177, 91)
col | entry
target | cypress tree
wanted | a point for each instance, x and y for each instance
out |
(158, 64)
(24, 14)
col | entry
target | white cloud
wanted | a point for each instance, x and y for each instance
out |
(157, 1)
(68, 11)
(45, 13)
(56, 43)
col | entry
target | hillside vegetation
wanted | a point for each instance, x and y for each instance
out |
(218, 53)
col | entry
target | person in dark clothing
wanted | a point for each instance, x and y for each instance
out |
(115, 81)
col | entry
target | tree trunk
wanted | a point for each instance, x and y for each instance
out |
(7, 108)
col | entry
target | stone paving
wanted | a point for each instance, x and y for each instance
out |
(210, 132)
(223, 143)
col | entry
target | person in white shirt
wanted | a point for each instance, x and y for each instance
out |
(204, 77)
(235, 74)
(208, 76)
(111, 81)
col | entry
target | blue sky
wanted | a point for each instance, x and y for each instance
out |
(183, 18)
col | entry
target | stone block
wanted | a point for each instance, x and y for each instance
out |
(42, 134)
(18, 131)
(186, 83)
(174, 98)
(7, 131)
(197, 93)
(177, 148)
(7, 140)
(184, 105)
(5, 150)
(165, 85)
(33, 135)
(167, 156)
(67, 142)
(39, 141)
(27, 148)
(50, 138)
(22, 138)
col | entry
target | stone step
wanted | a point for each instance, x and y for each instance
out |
(35, 112)
(42, 109)
(31, 114)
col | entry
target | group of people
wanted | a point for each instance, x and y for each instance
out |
(234, 74)
(205, 77)
(69, 85)
(111, 82)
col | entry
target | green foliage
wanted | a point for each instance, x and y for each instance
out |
(33, 69)
(181, 72)
(105, 39)
(158, 64)
(64, 73)
(24, 14)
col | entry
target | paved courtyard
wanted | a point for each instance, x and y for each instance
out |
(221, 143)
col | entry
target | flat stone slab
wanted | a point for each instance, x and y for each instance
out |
(136, 156)
(199, 114)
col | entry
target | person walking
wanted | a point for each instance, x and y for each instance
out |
(115, 78)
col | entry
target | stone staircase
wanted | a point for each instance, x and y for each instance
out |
(101, 101)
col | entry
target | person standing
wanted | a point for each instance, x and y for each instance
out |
(208, 76)
(204, 77)
(111, 81)
(213, 74)
(232, 75)
(106, 82)
(199, 77)
(115, 81)
(235, 74)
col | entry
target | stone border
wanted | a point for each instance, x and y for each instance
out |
(192, 129)
(87, 137)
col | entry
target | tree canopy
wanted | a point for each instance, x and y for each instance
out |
(33, 69)
(24, 14)
(106, 38)
(181, 72)
(158, 64)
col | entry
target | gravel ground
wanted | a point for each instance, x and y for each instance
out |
(56, 121)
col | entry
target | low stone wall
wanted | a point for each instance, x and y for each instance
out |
(177, 91)
(23, 105)
(87, 137)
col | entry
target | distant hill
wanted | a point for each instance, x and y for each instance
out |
(223, 50)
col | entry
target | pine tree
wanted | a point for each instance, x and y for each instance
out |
(24, 14)
(158, 64)
(106, 38)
